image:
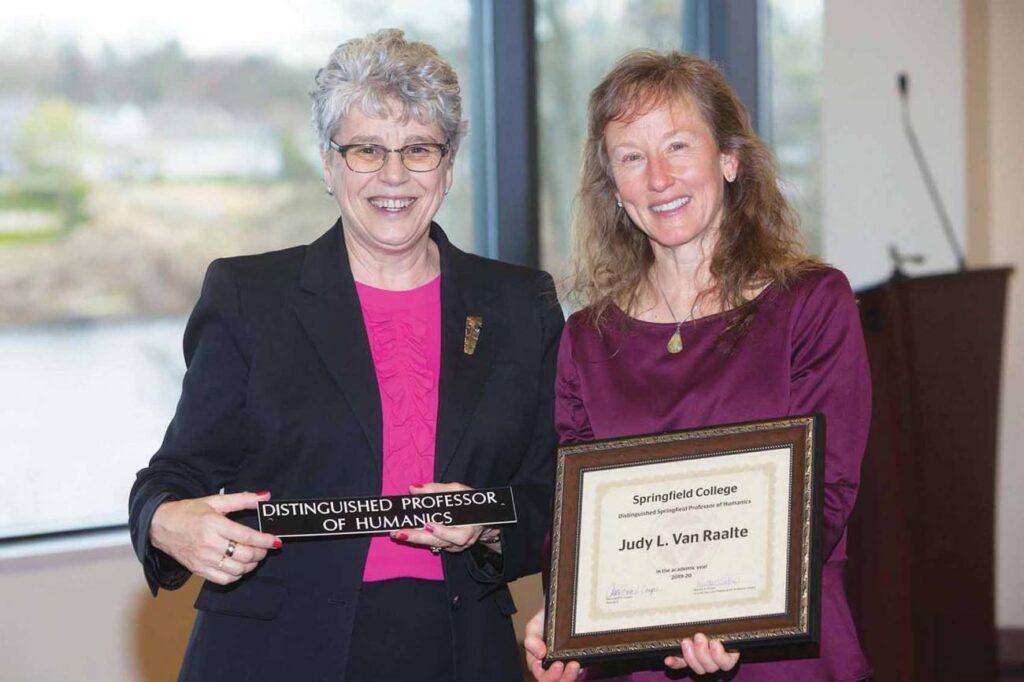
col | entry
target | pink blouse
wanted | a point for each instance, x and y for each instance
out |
(404, 329)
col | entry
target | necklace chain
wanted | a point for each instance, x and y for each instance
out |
(675, 342)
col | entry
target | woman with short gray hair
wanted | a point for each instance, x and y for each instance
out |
(378, 360)
(382, 70)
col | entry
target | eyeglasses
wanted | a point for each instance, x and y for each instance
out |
(419, 157)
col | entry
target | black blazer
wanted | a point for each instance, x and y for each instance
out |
(280, 394)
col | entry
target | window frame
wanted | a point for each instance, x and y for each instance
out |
(505, 194)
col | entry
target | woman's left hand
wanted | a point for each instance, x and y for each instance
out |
(435, 535)
(703, 655)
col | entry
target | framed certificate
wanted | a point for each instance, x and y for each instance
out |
(713, 530)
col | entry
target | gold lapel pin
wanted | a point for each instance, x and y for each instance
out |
(473, 325)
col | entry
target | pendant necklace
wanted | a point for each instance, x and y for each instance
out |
(675, 342)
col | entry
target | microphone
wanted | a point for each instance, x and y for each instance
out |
(903, 85)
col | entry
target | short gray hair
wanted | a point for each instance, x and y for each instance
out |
(381, 67)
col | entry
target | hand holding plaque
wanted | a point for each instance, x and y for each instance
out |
(443, 538)
(701, 655)
(659, 537)
(452, 505)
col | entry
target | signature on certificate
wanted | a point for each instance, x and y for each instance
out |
(722, 584)
(718, 582)
(617, 592)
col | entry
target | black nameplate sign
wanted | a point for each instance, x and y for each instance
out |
(383, 514)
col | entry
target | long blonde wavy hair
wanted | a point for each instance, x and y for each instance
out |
(759, 237)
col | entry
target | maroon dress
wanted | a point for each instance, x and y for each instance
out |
(804, 352)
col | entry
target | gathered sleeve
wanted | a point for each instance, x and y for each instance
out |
(571, 420)
(830, 375)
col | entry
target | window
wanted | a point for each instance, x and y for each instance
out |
(577, 43)
(133, 152)
(793, 54)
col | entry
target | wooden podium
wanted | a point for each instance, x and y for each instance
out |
(921, 538)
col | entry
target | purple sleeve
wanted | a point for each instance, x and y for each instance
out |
(571, 420)
(829, 374)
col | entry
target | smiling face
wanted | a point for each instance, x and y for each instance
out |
(387, 212)
(669, 174)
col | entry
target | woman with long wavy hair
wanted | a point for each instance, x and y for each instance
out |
(701, 307)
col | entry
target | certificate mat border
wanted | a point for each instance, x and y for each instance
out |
(805, 433)
(705, 455)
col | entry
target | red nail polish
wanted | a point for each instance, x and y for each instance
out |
(416, 485)
(263, 492)
(428, 528)
(277, 543)
(402, 537)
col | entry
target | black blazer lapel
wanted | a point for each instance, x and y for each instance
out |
(462, 374)
(333, 320)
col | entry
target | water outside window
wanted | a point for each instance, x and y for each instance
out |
(132, 152)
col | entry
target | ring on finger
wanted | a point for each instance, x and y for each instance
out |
(435, 550)
(230, 551)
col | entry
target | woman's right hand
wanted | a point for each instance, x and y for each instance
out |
(702, 655)
(197, 534)
(533, 642)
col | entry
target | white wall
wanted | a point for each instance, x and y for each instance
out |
(86, 614)
(873, 193)
(74, 614)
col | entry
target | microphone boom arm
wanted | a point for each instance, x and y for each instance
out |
(929, 182)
